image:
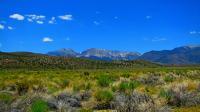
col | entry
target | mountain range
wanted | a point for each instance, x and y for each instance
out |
(97, 54)
(179, 56)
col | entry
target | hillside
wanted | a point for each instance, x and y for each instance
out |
(39, 61)
(180, 56)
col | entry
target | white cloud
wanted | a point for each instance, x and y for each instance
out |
(40, 22)
(1, 27)
(35, 17)
(39, 19)
(10, 27)
(52, 21)
(148, 17)
(30, 20)
(65, 17)
(17, 17)
(96, 23)
(195, 32)
(47, 39)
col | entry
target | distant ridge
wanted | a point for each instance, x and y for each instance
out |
(185, 55)
(180, 56)
(24, 60)
(98, 54)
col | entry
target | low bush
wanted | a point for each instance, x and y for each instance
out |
(126, 86)
(168, 78)
(126, 75)
(104, 80)
(6, 98)
(104, 96)
(134, 102)
(165, 94)
(22, 87)
(65, 83)
(39, 106)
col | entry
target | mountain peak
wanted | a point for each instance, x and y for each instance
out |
(192, 46)
(63, 52)
(96, 53)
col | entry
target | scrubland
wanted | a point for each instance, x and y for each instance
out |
(121, 90)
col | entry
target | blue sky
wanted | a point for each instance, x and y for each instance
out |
(129, 25)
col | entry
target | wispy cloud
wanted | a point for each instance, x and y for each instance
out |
(10, 27)
(39, 19)
(66, 17)
(116, 17)
(17, 17)
(96, 22)
(35, 17)
(194, 32)
(148, 17)
(52, 21)
(47, 39)
(1, 27)
(39, 22)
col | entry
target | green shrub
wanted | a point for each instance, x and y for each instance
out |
(39, 106)
(133, 84)
(88, 86)
(76, 88)
(124, 86)
(104, 96)
(5, 97)
(168, 78)
(104, 80)
(86, 110)
(86, 73)
(22, 87)
(126, 75)
(114, 88)
(65, 83)
(165, 94)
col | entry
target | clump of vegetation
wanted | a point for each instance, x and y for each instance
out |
(104, 96)
(126, 75)
(134, 102)
(77, 87)
(165, 94)
(86, 73)
(88, 86)
(179, 96)
(168, 78)
(104, 80)
(86, 110)
(128, 86)
(65, 83)
(151, 79)
(39, 106)
(22, 87)
(6, 98)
